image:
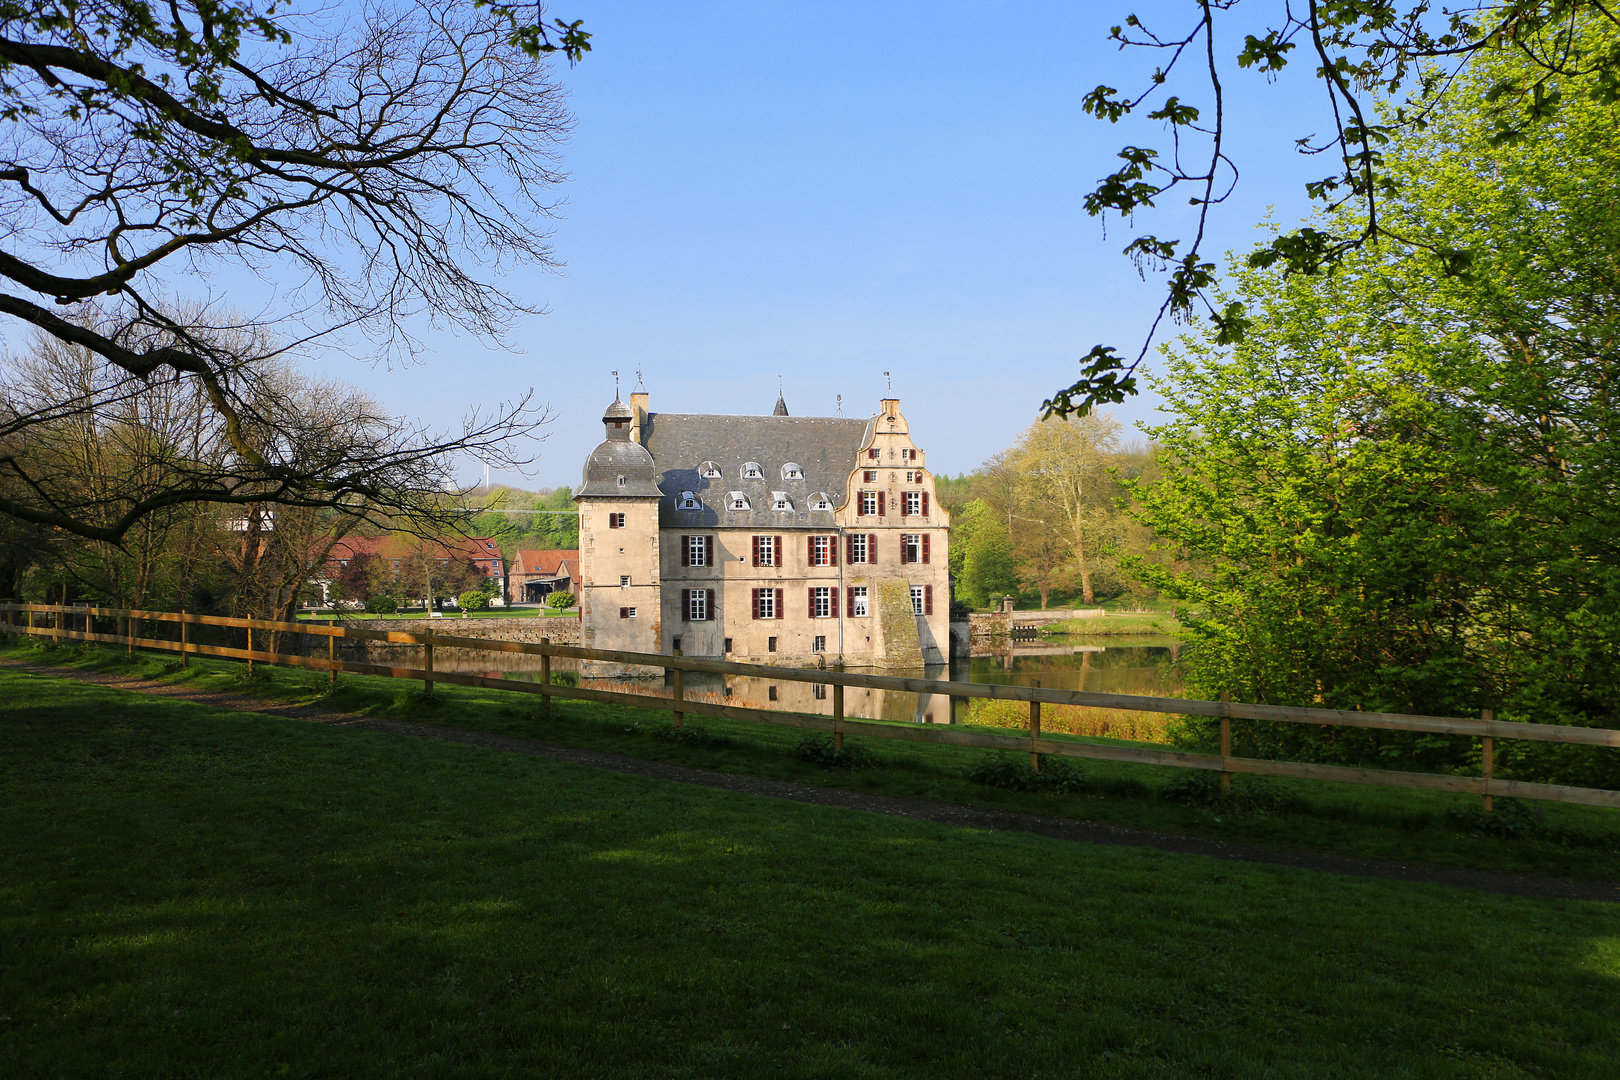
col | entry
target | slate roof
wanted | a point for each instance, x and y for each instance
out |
(826, 449)
(613, 459)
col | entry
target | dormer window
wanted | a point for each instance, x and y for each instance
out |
(621, 481)
(780, 501)
(688, 501)
(709, 471)
(752, 471)
(820, 501)
(736, 500)
(791, 471)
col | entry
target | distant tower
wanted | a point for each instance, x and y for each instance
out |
(781, 401)
(618, 545)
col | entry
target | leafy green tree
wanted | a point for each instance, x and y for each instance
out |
(1400, 484)
(986, 569)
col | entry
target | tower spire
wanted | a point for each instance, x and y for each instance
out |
(781, 401)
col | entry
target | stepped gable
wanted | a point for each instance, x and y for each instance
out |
(824, 447)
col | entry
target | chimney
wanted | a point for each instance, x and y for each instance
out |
(638, 415)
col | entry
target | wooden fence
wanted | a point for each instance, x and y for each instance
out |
(26, 618)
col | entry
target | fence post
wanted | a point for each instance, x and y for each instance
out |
(838, 716)
(1226, 746)
(545, 679)
(1034, 727)
(129, 636)
(331, 658)
(185, 638)
(427, 664)
(250, 649)
(1488, 748)
(678, 690)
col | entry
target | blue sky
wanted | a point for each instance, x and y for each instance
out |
(826, 192)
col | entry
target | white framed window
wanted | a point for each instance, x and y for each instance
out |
(911, 547)
(868, 504)
(697, 605)
(791, 471)
(627, 613)
(767, 551)
(709, 471)
(869, 476)
(821, 602)
(822, 549)
(695, 550)
(819, 643)
(857, 601)
(858, 547)
(689, 501)
(780, 502)
(752, 471)
(819, 691)
(821, 501)
(615, 521)
(621, 481)
(916, 599)
(913, 503)
(736, 500)
(767, 604)
(624, 581)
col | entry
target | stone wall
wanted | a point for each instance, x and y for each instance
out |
(561, 631)
(998, 623)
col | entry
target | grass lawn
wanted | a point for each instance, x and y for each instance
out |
(1389, 823)
(1118, 624)
(191, 892)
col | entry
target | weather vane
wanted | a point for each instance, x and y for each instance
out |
(640, 386)
(891, 382)
(615, 386)
(840, 411)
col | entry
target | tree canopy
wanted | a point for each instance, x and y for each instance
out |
(371, 167)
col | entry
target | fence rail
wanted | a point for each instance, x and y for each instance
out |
(24, 618)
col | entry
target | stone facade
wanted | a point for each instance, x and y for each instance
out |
(764, 539)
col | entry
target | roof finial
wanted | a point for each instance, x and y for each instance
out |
(840, 411)
(781, 400)
(891, 382)
(640, 386)
(615, 385)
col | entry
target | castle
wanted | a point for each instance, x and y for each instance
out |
(763, 539)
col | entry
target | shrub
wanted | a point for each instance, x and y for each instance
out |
(1202, 789)
(473, 600)
(383, 605)
(560, 600)
(1013, 774)
(822, 752)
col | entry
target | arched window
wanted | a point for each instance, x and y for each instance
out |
(821, 501)
(752, 471)
(709, 471)
(688, 501)
(791, 471)
(736, 500)
(780, 501)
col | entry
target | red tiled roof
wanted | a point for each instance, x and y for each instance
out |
(482, 549)
(553, 561)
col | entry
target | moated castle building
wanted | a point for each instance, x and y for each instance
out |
(763, 539)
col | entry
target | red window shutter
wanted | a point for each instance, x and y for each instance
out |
(810, 551)
(756, 594)
(708, 551)
(686, 551)
(849, 603)
(757, 539)
(860, 498)
(925, 547)
(832, 551)
(849, 548)
(777, 550)
(812, 594)
(871, 548)
(832, 608)
(881, 509)
(928, 599)
(925, 504)
(781, 612)
(709, 607)
(686, 604)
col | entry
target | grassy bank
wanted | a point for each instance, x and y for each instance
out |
(1385, 823)
(190, 892)
(1120, 624)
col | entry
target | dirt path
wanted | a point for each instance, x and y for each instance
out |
(946, 813)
